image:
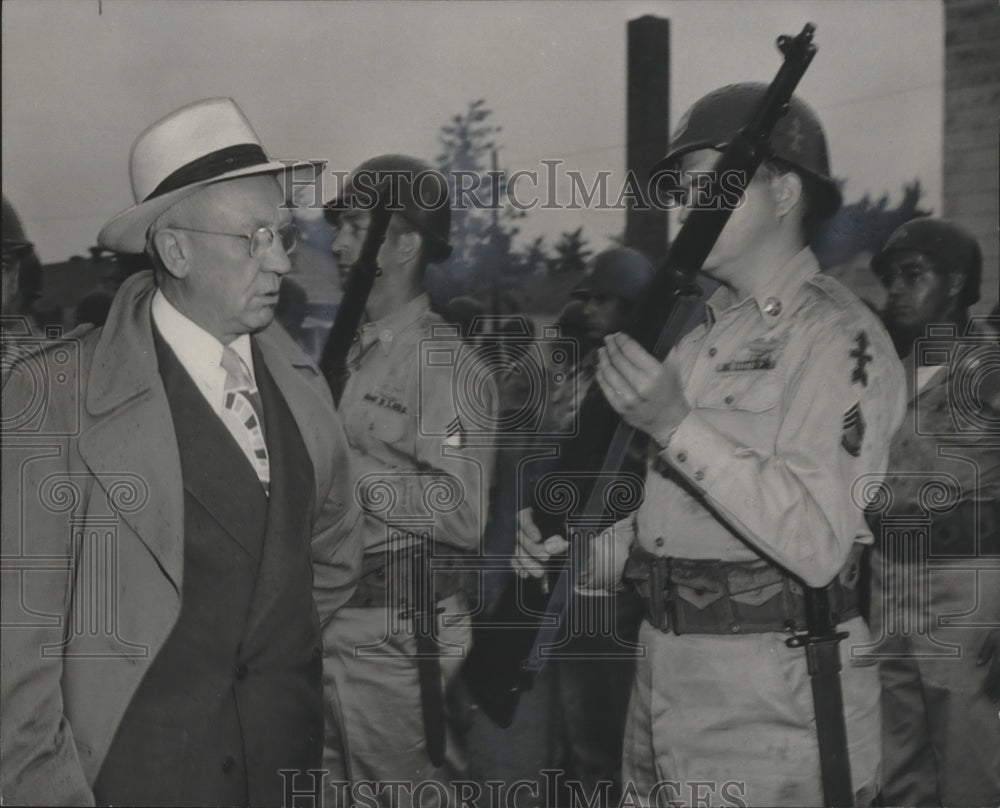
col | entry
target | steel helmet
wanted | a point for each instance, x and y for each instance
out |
(953, 248)
(423, 197)
(620, 271)
(797, 140)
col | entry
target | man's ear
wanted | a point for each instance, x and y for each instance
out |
(173, 251)
(787, 190)
(408, 244)
(956, 282)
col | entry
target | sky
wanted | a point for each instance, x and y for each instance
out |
(347, 80)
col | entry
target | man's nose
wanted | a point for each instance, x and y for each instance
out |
(337, 246)
(277, 260)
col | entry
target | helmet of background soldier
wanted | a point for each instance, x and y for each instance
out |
(619, 271)
(951, 246)
(22, 271)
(797, 141)
(423, 197)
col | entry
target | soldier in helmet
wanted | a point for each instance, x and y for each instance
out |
(940, 677)
(761, 419)
(22, 280)
(393, 657)
(593, 691)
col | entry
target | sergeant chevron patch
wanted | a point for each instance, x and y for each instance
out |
(854, 430)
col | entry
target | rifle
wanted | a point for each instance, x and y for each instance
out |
(333, 362)
(509, 644)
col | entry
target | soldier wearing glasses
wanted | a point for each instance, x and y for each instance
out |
(210, 482)
(22, 281)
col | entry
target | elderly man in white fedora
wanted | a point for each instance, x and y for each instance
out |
(178, 518)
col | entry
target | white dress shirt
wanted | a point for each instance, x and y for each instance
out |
(201, 355)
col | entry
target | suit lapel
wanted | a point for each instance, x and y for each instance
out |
(214, 469)
(307, 397)
(290, 506)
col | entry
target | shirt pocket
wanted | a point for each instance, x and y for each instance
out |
(745, 391)
(388, 426)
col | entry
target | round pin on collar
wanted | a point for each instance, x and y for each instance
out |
(772, 306)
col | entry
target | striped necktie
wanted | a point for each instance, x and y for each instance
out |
(242, 414)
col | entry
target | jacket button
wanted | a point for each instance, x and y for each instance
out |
(729, 399)
(241, 671)
(712, 351)
(699, 475)
(682, 456)
(659, 541)
(228, 764)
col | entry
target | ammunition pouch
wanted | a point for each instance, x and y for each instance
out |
(387, 580)
(702, 596)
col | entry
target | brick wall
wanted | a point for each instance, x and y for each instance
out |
(972, 129)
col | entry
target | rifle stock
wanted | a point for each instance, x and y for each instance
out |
(333, 362)
(509, 644)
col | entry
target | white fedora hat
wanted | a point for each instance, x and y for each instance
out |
(204, 142)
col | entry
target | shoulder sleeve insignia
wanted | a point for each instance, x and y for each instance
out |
(455, 437)
(854, 431)
(862, 358)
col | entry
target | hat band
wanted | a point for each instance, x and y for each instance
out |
(211, 165)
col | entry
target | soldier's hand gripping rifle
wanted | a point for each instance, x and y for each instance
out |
(333, 362)
(509, 643)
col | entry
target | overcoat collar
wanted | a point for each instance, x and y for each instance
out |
(129, 426)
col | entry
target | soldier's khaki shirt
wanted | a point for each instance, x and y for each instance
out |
(795, 395)
(421, 451)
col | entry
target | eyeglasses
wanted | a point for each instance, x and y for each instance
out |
(14, 251)
(260, 239)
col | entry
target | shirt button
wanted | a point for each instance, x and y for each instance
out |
(228, 764)
(682, 456)
(729, 399)
(712, 351)
(699, 475)
(660, 541)
(241, 671)
(772, 306)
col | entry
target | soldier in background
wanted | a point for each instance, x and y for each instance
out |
(941, 736)
(393, 655)
(593, 692)
(760, 420)
(22, 280)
